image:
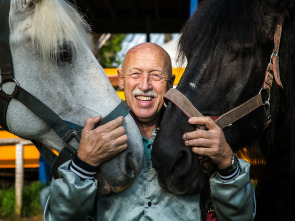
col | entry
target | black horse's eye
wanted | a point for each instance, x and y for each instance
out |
(247, 51)
(242, 50)
(64, 53)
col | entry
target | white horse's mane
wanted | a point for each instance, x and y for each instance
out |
(53, 22)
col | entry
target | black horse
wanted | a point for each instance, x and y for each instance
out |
(228, 45)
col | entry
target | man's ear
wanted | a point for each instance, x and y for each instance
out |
(121, 78)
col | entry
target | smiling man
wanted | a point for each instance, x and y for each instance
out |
(145, 76)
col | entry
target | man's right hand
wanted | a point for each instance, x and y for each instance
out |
(102, 143)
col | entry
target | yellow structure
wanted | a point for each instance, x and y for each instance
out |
(7, 153)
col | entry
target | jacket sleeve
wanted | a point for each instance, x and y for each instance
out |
(68, 198)
(234, 200)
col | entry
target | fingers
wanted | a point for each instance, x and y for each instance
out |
(102, 143)
(111, 149)
(206, 121)
(112, 125)
(117, 149)
(197, 134)
(209, 142)
(114, 134)
(200, 142)
(203, 151)
(119, 143)
(91, 122)
(206, 128)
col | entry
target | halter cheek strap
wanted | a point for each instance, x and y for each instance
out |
(6, 67)
(273, 71)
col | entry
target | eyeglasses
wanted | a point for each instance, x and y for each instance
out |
(154, 76)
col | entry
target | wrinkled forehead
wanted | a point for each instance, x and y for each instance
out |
(146, 59)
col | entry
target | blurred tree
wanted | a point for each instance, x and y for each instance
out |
(105, 48)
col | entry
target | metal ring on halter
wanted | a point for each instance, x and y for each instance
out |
(266, 104)
(267, 109)
(15, 90)
(268, 99)
(274, 53)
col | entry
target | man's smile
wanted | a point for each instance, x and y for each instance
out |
(144, 98)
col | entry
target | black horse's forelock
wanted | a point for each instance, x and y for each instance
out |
(219, 23)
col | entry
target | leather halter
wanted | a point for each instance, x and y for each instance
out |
(272, 72)
(67, 131)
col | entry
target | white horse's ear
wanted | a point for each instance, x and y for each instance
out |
(30, 3)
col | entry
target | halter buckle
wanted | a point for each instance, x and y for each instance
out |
(266, 104)
(267, 109)
(274, 53)
(268, 99)
(15, 90)
(67, 138)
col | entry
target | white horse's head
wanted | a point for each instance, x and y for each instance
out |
(52, 60)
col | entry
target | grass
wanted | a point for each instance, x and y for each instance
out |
(31, 203)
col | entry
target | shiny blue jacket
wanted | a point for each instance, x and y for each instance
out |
(69, 198)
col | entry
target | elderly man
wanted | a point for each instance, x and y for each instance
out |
(145, 76)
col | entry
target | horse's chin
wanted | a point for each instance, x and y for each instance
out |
(180, 187)
(104, 188)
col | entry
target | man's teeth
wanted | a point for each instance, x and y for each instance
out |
(143, 98)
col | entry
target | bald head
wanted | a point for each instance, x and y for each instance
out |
(146, 49)
(145, 77)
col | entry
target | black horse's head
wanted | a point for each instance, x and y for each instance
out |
(228, 44)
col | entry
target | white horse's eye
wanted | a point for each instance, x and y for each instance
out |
(64, 53)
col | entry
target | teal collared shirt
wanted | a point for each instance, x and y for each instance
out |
(69, 198)
(146, 200)
(148, 147)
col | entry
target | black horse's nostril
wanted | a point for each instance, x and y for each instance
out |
(182, 165)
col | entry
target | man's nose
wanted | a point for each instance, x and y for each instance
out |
(145, 83)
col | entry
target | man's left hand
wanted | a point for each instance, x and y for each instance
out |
(209, 142)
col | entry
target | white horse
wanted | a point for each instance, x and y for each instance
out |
(52, 60)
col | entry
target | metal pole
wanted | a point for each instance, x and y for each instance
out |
(148, 28)
(19, 178)
(193, 6)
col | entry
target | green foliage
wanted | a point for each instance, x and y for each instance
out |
(106, 56)
(31, 202)
(7, 202)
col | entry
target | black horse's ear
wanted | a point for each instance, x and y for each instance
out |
(278, 5)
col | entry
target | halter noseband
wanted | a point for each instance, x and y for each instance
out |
(69, 136)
